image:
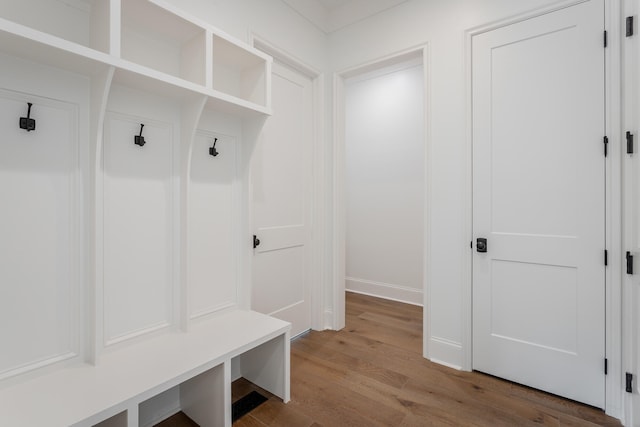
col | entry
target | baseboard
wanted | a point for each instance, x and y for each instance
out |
(384, 290)
(445, 352)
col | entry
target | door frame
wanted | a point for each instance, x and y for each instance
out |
(631, 122)
(613, 188)
(316, 269)
(338, 214)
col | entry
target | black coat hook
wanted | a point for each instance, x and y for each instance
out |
(139, 139)
(27, 123)
(212, 150)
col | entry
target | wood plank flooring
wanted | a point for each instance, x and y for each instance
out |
(372, 373)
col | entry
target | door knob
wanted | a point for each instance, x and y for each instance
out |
(481, 244)
(256, 241)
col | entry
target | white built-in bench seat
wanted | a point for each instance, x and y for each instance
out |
(143, 383)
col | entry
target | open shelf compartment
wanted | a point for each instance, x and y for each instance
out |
(84, 22)
(239, 72)
(154, 37)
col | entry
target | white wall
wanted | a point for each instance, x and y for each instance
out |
(384, 154)
(441, 24)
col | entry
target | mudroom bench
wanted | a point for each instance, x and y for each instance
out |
(145, 383)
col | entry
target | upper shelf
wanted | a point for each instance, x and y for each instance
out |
(150, 44)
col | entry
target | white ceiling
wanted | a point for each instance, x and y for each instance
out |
(331, 15)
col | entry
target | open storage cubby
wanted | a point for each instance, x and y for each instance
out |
(201, 398)
(118, 420)
(156, 38)
(85, 22)
(239, 72)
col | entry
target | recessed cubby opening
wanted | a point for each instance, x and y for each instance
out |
(238, 72)
(156, 38)
(118, 420)
(201, 398)
(265, 366)
(85, 22)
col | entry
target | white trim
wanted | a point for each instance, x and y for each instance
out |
(317, 266)
(388, 291)
(613, 381)
(630, 122)
(446, 352)
(613, 345)
(339, 202)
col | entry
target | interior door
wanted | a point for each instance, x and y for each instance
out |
(538, 200)
(281, 182)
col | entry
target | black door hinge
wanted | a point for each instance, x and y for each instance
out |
(629, 30)
(629, 143)
(256, 241)
(606, 366)
(605, 38)
(629, 383)
(629, 263)
(605, 140)
(606, 257)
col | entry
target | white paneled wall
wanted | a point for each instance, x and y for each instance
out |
(213, 199)
(40, 228)
(138, 226)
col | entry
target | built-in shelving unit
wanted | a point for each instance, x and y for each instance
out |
(123, 235)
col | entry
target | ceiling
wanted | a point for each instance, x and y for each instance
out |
(332, 15)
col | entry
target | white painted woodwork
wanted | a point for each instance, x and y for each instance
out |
(138, 227)
(40, 248)
(129, 378)
(213, 260)
(96, 234)
(153, 45)
(281, 186)
(385, 181)
(538, 197)
(631, 224)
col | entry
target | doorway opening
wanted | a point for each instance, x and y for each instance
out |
(381, 180)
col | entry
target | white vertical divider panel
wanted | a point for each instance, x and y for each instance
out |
(100, 37)
(191, 113)
(115, 23)
(201, 397)
(100, 88)
(227, 393)
(209, 60)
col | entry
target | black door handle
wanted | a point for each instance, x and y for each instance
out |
(256, 241)
(481, 244)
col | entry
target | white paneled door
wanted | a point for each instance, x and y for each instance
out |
(538, 200)
(281, 182)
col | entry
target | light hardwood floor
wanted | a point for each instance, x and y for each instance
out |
(372, 373)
